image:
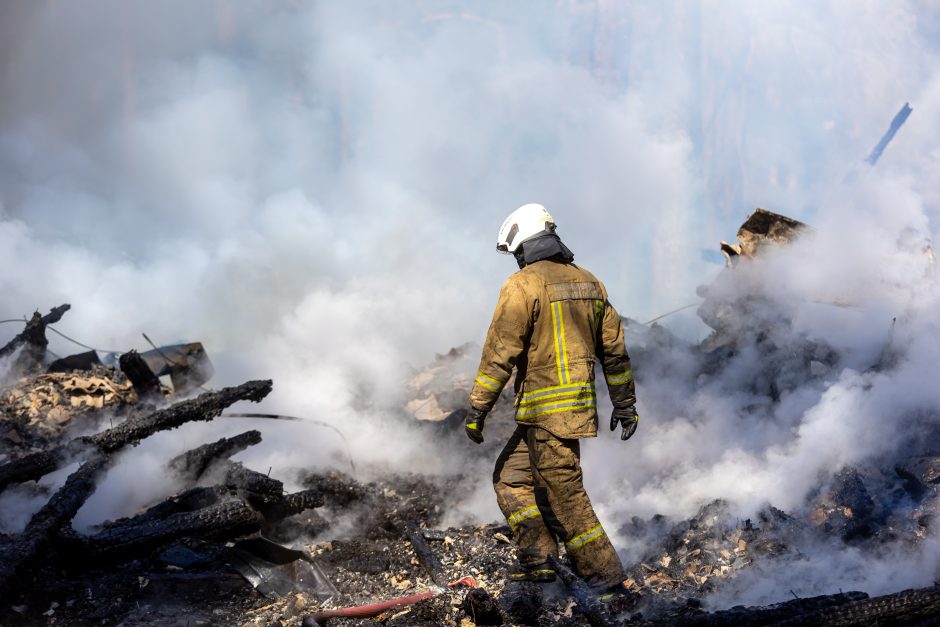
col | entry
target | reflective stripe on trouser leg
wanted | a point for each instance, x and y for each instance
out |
(515, 494)
(558, 470)
(587, 537)
(521, 515)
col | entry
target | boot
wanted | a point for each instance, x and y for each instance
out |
(540, 573)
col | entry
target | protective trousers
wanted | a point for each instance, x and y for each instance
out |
(540, 491)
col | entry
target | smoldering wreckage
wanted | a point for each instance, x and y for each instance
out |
(231, 547)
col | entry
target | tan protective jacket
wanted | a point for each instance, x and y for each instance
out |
(551, 321)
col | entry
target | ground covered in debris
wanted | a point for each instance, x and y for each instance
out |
(234, 547)
(354, 549)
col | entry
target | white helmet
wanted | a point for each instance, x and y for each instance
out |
(524, 223)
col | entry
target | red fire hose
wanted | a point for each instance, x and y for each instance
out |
(374, 609)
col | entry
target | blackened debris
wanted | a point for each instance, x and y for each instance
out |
(32, 339)
(141, 376)
(761, 228)
(522, 602)
(426, 556)
(206, 406)
(187, 365)
(79, 361)
(480, 606)
(45, 523)
(193, 464)
(793, 612)
(225, 520)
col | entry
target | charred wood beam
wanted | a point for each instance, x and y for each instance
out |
(339, 488)
(187, 501)
(204, 407)
(222, 521)
(292, 504)
(426, 556)
(34, 335)
(32, 466)
(588, 603)
(261, 491)
(140, 375)
(78, 361)
(909, 607)
(55, 314)
(246, 480)
(45, 523)
(192, 464)
(194, 499)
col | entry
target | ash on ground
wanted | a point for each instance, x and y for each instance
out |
(233, 547)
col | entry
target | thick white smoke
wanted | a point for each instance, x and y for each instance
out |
(313, 189)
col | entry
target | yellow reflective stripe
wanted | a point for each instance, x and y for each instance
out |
(473, 425)
(526, 418)
(585, 395)
(538, 396)
(581, 385)
(588, 536)
(552, 409)
(598, 315)
(523, 514)
(486, 385)
(545, 398)
(482, 375)
(488, 382)
(619, 379)
(557, 338)
(557, 398)
(561, 350)
(541, 410)
(564, 346)
(565, 404)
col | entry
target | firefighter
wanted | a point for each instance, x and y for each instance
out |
(552, 321)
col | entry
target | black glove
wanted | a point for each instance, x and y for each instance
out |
(626, 416)
(474, 425)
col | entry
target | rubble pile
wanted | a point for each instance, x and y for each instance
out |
(440, 395)
(46, 405)
(442, 388)
(234, 546)
(762, 228)
(696, 553)
(693, 557)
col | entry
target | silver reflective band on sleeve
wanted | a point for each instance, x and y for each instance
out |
(588, 536)
(489, 382)
(619, 379)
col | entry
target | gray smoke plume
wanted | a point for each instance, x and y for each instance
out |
(313, 190)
